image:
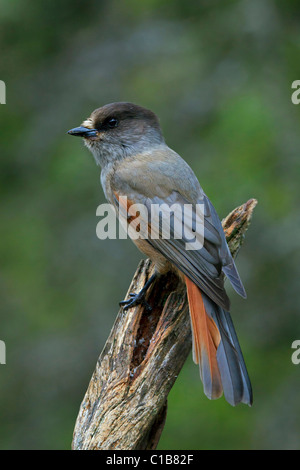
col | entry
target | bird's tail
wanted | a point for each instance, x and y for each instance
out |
(216, 349)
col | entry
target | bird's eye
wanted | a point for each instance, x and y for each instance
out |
(112, 123)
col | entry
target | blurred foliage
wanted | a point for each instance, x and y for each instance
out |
(218, 74)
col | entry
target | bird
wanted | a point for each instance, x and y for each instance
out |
(138, 167)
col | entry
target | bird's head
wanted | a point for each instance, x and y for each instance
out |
(119, 130)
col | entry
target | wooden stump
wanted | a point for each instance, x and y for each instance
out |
(125, 405)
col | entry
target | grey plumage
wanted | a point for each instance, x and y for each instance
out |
(127, 142)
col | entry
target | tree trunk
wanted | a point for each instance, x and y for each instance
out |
(125, 405)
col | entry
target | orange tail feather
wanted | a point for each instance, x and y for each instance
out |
(206, 339)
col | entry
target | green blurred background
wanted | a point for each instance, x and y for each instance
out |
(218, 74)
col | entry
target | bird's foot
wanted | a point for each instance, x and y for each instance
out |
(134, 300)
(139, 299)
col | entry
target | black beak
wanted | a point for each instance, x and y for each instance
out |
(83, 132)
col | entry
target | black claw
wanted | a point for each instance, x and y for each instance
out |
(135, 299)
(138, 299)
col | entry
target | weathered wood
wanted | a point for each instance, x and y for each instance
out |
(125, 405)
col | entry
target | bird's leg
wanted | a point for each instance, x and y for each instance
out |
(139, 298)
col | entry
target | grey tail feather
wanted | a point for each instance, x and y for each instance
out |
(229, 267)
(235, 380)
(231, 272)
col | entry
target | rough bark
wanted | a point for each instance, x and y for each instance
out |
(125, 405)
